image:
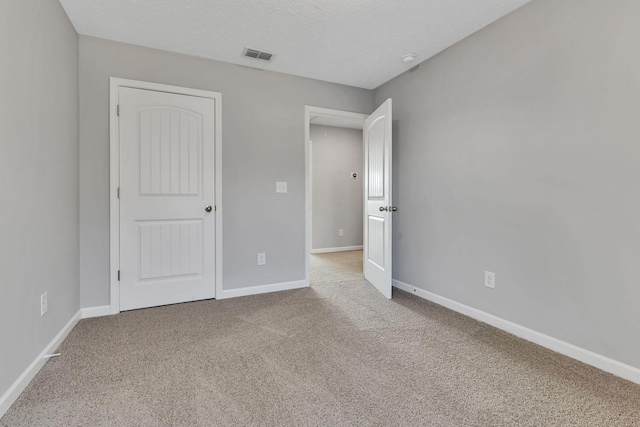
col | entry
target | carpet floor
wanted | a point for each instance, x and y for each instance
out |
(336, 353)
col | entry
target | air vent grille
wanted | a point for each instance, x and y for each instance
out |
(256, 54)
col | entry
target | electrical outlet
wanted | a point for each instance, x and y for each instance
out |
(490, 279)
(44, 304)
(281, 187)
(341, 232)
(262, 259)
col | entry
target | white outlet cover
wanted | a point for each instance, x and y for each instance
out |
(341, 232)
(44, 304)
(490, 279)
(262, 259)
(281, 187)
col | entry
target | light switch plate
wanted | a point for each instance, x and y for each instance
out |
(281, 187)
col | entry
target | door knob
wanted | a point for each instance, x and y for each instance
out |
(208, 209)
(394, 209)
(384, 208)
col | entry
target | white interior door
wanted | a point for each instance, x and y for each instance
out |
(377, 195)
(167, 213)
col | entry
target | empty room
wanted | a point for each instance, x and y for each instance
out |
(280, 213)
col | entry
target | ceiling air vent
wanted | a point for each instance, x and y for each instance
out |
(256, 54)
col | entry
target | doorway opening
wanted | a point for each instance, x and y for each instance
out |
(375, 192)
(335, 192)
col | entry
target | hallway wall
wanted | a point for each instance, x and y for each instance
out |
(337, 197)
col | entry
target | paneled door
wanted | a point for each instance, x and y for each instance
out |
(377, 190)
(167, 212)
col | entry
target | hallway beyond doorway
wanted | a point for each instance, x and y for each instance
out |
(336, 267)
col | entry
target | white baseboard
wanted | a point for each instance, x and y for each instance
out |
(340, 249)
(89, 312)
(23, 380)
(256, 290)
(586, 356)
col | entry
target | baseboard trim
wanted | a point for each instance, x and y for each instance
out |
(23, 380)
(599, 361)
(99, 311)
(256, 290)
(340, 249)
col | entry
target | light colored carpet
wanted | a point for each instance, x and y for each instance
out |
(334, 354)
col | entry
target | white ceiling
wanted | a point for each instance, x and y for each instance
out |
(354, 42)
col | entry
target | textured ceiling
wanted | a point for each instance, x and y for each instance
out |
(353, 42)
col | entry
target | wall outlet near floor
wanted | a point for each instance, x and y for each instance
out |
(341, 232)
(44, 304)
(281, 187)
(262, 259)
(490, 279)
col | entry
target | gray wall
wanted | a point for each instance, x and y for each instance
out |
(517, 151)
(337, 197)
(263, 142)
(38, 179)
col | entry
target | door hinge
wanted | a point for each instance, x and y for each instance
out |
(118, 275)
(118, 192)
(118, 110)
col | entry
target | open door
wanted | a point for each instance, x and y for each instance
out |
(377, 196)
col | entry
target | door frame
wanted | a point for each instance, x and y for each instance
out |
(114, 171)
(308, 112)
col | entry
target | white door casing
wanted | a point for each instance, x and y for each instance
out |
(311, 111)
(167, 179)
(377, 195)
